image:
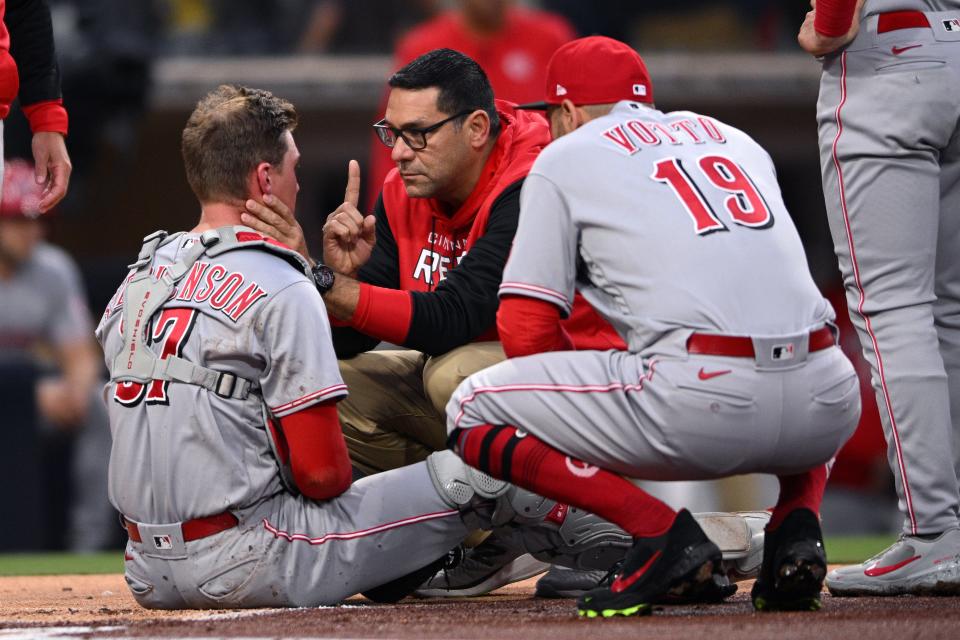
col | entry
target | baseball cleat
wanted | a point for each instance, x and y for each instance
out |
(794, 565)
(497, 561)
(911, 565)
(399, 588)
(563, 582)
(681, 563)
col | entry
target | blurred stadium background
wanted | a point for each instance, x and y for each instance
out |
(132, 72)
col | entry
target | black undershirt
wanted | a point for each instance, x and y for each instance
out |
(463, 305)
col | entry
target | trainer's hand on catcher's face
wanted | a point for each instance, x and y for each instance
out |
(53, 167)
(348, 235)
(273, 218)
(819, 45)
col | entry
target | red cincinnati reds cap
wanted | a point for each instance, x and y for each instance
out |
(595, 70)
(21, 193)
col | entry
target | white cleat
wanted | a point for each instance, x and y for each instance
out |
(910, 566)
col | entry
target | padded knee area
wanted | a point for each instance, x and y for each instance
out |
(458, 484)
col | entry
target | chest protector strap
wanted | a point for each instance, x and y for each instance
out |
(146, 295)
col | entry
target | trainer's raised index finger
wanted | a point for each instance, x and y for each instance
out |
(352, 194)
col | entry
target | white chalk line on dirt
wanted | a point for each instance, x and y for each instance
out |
(28, 633)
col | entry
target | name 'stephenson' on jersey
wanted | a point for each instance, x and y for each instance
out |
(229, 292)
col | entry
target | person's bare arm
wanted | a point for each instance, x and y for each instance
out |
(343, 297)
(65, 399)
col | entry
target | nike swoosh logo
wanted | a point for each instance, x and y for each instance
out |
(875, 571)
(706, 375)
(621, 584)
(898, 50)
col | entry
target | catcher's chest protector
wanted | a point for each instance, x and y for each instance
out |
(146, 294)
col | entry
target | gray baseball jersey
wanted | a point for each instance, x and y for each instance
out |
(890, 154)
(43, 304)
(669, 224)
(181, 451)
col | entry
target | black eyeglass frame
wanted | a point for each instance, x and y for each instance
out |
(385, 131)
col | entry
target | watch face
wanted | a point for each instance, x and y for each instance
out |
(323, 276)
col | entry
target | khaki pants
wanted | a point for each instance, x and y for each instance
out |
(395, 413)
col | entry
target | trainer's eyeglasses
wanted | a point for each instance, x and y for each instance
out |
(413, 137)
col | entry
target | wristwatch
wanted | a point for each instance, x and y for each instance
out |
(323, 277)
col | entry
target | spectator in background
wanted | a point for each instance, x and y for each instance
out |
(362, 26)
(44, 319)
(512, 44)
(28, 68)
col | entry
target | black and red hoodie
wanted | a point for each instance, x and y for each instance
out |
(431, 282)
(28, 65)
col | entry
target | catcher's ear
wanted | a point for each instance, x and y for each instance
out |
(264, 172)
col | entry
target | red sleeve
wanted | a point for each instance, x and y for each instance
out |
(834, 17)
(528, 326)
(318, 452)
(48, 115)
(383, 313)
(588, 330)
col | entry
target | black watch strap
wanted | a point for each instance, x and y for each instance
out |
(323, 277)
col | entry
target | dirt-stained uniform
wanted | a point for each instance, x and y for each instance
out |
(182, 452)
(209, 340)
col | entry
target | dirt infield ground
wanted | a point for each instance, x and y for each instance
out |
(101, 607)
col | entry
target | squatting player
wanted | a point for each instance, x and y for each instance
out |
(223, 378)
(673, 227)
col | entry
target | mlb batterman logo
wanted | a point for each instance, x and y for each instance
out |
(952, 25)
(782, 352)
(162, 542)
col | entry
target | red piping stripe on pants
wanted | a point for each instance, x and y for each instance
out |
(856, 274)
(350, 535)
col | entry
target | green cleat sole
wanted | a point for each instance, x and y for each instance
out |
(639, 609)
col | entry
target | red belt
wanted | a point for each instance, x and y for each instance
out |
(901, 20)
(742, 347)
(192, 529)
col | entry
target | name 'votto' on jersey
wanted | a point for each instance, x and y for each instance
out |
(709, 245)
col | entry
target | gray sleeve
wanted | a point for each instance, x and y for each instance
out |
(70, 319)
(542, 263)
(302, 368)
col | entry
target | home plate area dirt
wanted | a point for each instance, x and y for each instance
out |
(101, 607)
